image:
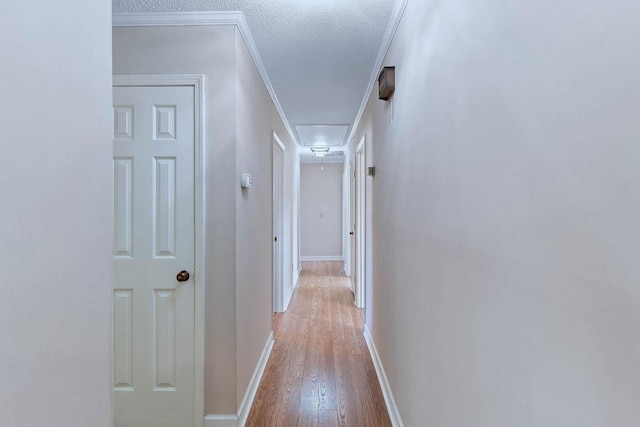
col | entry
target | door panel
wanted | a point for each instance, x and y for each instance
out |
(123, 205)
(153, 149)
(123, 345)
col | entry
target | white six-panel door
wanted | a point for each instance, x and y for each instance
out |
(153, 159)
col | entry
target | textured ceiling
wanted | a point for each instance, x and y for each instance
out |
(319, 54)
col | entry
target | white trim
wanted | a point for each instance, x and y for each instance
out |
(197, 81)
(361, 223)
(346, 216)
(124, 80)
(231, 420)
(277, 138)
(396, 15)
(221, 420)
(167, 19)
(207, 18)
(387, 393)
(253, 50)
(322, 258)
(360, 144)
(252, 388)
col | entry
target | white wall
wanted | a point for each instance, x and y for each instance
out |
(256, 120)
(321, 211)
(56, 214)
(505, 214)
(207, 50)
(240, 119)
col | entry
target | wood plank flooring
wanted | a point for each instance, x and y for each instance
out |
(320, 372)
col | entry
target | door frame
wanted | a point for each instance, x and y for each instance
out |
(360, 226)
(197, 82)
(352, 221)
(346, 217)
(278, 198)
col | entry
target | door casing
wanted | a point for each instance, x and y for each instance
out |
(279, 296)
(360, 229)
(352, 223)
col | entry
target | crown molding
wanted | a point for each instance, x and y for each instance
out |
(164, 19)
(396, 15)
(208, 18)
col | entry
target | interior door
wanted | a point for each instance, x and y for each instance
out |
(352, 224)
(278, 211)
(360, 225)
(153, 158)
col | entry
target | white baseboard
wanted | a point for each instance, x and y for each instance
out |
(252, 388)
(321, 258)
(221, 421)
(392, 408)
(232, 420)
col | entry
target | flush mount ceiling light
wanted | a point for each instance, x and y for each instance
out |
(322, 135)
(320, 151)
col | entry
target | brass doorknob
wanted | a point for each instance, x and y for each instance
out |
(183, 276)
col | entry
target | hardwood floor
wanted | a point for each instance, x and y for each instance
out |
(320, 372)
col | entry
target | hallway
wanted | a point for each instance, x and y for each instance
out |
(320, 371)
(499, 213)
